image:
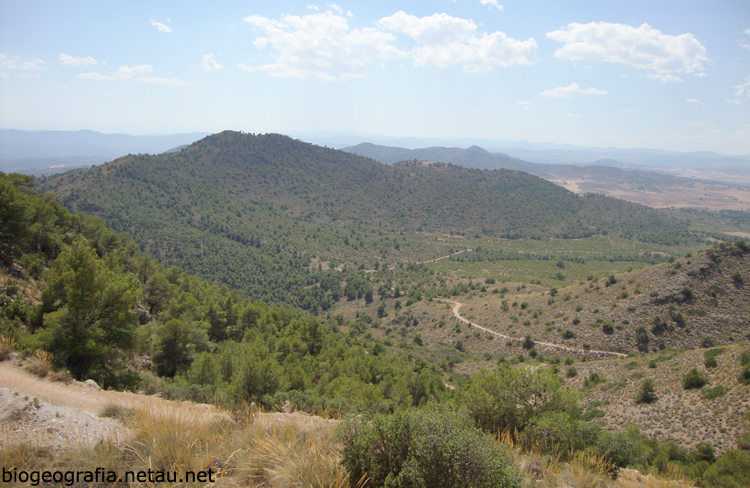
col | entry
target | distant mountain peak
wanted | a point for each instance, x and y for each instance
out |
(476, 149)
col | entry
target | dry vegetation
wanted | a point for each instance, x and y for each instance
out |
(246, 448)
(678, 414)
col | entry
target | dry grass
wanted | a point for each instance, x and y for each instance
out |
(40, 363)
(7, 347)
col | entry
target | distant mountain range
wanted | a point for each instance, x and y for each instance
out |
(42, 150)
(549, 153)
(604, 171)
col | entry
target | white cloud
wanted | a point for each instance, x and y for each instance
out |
(572, 115)
(313, 7)
(525, 104)
(66, 60)
(209, 64)
(319, 46)
(3, 75)
(125, 72)
(335, 8)
(7, 63)
(570, 91)
(746, 45)
(664, 77)
(136, 73)
(160, 26)
(743, 88)
(641, 47)
(733, 101)
(629, 110)
(491, 3)
(693, 100)
(161, 81)
(445, 41)
(699, 124)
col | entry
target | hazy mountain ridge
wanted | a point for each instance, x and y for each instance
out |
(27, 150)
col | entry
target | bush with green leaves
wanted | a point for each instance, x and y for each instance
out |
(647, 392)
(424, 448)
(694, 380)
(514, 398)
(731, 470)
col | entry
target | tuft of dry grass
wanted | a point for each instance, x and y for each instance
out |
(40, 363)
(176, 438)
(289, 453)
(117, 411)
(7, 347)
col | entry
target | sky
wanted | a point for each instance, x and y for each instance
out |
(671, 75)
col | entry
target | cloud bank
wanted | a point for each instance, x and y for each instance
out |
(643, 48)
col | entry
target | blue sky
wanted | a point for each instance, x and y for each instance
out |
(666, 74)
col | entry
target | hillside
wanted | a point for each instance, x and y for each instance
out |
(692, 302)
(654, 188)
(79, 301)
(260, 212)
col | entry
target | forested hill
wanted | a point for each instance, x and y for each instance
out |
(252, 210)
(472, 157)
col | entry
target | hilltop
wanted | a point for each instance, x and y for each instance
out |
(260, 212)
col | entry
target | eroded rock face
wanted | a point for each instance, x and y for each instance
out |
(92, 384)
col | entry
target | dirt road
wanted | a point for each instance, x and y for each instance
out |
(593, 352)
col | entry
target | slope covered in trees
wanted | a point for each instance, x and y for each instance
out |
(104, 310)
(258, 212)
(74, 288)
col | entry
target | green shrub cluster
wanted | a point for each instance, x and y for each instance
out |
(424, 449)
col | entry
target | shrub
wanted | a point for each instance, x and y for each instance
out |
(607, 327)
(593, 380)
(652, 364)
(40, 363)
(731, 470)
(571, 372)
(592, 414)
(694, 380)
(703, 452)
(514, 398)
(711, 393)
(641, 336)
(528, 343)
(744, 376)
(7, 347)
(737, 278)
(569, 334)
(647, 392)
(424, 449)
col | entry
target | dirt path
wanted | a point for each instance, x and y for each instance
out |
(428, 261)
(75, 396)
(457, 314)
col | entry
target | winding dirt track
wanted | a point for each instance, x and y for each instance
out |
(457, 314)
